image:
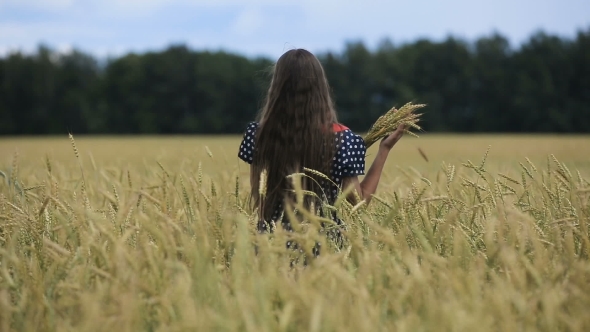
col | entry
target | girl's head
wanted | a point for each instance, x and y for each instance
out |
(299, 88)
(295, 128)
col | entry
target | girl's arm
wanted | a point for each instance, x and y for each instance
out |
(368, 186)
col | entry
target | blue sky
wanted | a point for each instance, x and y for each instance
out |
(269, 27)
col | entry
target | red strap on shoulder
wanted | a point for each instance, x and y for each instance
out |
(338, 127)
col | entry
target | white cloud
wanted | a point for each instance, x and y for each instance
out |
(63, 37)
(248, 22)
(6, 50)
(38, 4)
(129, 8)
(272, 26)
(65, 48)
(143, 8)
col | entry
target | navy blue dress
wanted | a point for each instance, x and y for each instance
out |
(349, 161)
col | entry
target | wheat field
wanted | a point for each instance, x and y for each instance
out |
(477, 233)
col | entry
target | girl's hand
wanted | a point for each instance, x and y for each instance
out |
(389, 141)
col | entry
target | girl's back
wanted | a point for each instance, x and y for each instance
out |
(348, 160)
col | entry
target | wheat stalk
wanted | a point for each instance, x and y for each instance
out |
(390, 121)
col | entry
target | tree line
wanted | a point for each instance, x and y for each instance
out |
(481, 86)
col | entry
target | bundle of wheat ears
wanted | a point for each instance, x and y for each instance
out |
(388, 122)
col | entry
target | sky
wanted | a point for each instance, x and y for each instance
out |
(270, 27)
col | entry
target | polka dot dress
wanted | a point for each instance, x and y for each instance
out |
(349, 160)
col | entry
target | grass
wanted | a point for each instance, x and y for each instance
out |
(155, 234)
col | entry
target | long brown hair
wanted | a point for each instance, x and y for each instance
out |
(295, 130)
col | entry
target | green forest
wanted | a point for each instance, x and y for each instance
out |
(485, 85)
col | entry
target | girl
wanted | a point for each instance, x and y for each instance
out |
(297, 128)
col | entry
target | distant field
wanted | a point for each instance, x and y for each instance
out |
(186, 152)
(155, 234)
(506, 150)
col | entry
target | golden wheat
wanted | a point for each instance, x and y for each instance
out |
(390, 121)
(467, 246)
